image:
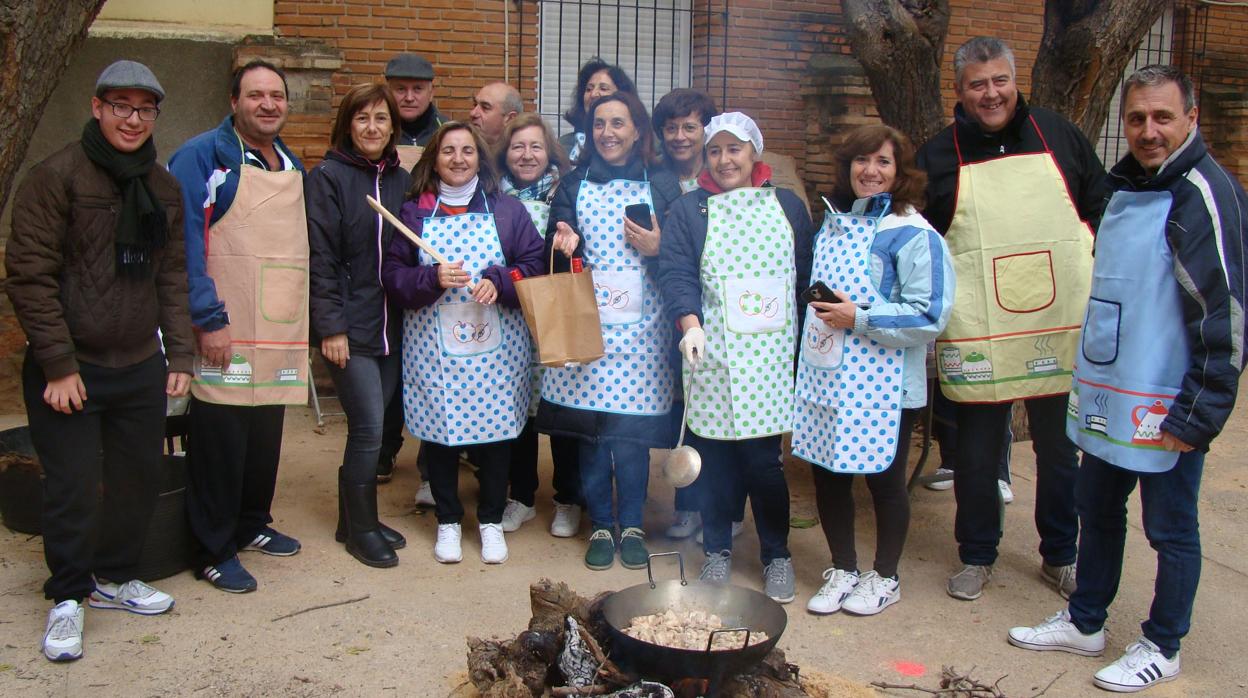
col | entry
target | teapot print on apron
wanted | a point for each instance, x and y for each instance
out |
(1148, 427)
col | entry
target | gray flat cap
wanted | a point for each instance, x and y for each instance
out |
(409, 66)
(128, 74)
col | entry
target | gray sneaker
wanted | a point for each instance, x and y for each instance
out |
(717, 569)
(969, 584)
(779, 582)
(1061, 577)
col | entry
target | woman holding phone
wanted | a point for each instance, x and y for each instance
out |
(887, 287)
(618, 406)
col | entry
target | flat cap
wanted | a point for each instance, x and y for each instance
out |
(409, 66)
(124, 75)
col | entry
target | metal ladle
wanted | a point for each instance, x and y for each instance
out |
(684, 462)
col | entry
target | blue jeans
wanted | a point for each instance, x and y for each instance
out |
(735, 470)
(977, 524)
(625, 465)
(1170, 524)
(365, 387)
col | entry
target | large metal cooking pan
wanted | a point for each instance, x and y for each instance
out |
(737, 606)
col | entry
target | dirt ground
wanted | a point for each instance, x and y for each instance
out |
(407, 637)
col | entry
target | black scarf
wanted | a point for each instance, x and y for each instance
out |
(141, 224)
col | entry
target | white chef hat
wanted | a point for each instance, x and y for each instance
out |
(739, 125)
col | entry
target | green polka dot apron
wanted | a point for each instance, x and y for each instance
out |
(634, 375)
(848, 404)
(539, 211)
(465, 364)
(745, 382)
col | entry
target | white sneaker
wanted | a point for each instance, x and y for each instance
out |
(872, 595)
(1007, 492)
(567, 521)
(493, 544)
(448, 549)
(941, 485)
(684, 525)
(833, 592)
(1058, 633)
(1142, 666)
(737, 528)
(133, 596)
(424, 496)
(516, 513)
(62, 639)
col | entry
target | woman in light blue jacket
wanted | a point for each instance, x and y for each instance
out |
(887, 288)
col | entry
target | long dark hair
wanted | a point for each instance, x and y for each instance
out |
(425, 175)
(644, 147)
(575, 114)
(910, 185)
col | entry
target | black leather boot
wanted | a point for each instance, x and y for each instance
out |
(364, 539)
(393, 537)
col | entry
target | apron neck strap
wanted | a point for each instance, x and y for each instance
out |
(957, 148)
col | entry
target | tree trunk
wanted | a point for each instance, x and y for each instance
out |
(1086, 46)
(37, 41)
(900, 44)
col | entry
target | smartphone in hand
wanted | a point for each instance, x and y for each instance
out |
(639, 214)
(819, 291)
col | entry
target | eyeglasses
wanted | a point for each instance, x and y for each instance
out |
(122, 110)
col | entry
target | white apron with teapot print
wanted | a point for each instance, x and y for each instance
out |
(743, 388)
(848, 407)
(634, 375)
(465, 364)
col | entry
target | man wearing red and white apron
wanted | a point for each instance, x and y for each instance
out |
(1013, 189)
(247, 268)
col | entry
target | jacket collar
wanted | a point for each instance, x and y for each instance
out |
(1129, 174)
(760, 176)
(600, 172)
(229, 147)
(349, 156)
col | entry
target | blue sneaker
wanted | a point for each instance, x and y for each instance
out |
(229, 576)
(271, 542)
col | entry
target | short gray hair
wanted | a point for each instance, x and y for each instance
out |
(512, 101)
(981, 49)
(1156, 75)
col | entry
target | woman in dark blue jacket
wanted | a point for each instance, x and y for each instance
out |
(357, 330)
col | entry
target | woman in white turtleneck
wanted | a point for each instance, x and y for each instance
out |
(465, 345)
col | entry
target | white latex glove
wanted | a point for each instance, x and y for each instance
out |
(693, 345)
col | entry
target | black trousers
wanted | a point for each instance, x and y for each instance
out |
(834, 497)
(493, 462)
(566, 476)
(231, 465)
(114, 444)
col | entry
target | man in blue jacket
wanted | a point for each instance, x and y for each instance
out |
(247, 267)
(1169, 263)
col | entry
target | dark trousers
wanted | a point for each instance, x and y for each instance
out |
(493, 462)
(113, 444)
(690, 498)
(231, 466)
(977, 525)
(753, 467)
(392, 425)
(566, 475)
(834, 497)
(365, 389)
(1171, 526)
(945, 431)
(614, 476)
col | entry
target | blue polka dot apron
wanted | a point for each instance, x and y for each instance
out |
(744, 387)
(634, 375)
(465, 364)
(539, 211)
(1125, 380)
(848, 404)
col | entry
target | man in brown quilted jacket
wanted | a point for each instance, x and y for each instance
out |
(95, 267)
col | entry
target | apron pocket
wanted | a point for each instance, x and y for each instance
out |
(1100, 331)
(620, 294)
(283, 293)
(756, 305)
(468, 329)
(823, 346)
(1024, 282)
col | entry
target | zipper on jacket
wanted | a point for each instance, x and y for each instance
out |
(385, 306)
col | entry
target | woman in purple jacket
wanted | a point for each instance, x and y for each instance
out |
(465, 345)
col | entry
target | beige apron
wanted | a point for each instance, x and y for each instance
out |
(1023, 260)
(409, 155)
(257, 255)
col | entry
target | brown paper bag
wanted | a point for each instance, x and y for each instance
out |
(562, 314)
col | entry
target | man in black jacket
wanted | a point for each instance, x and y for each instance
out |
(1015, 190)
(410, 79)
